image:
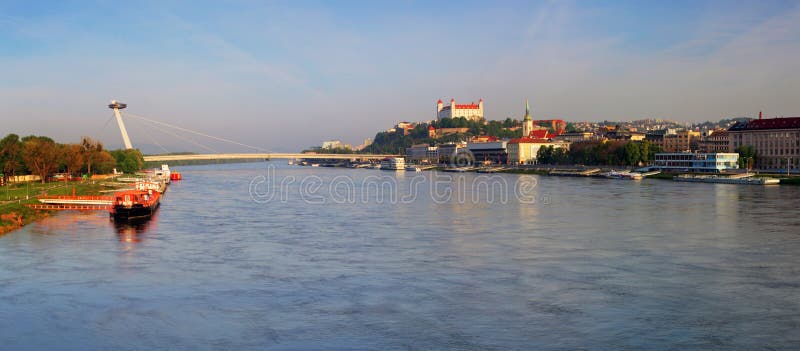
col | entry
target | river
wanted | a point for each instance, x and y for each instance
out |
(265, 256)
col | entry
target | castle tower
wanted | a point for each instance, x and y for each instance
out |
(527, 122)
(439, 109)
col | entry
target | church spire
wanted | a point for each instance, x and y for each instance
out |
(527, 111)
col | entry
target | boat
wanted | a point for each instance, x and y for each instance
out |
(291, 163)
(413, 169)
(623, 175)
(134, 204)
(744, 180)
(175, 175)
(163, 173)
(315, 165)
(393, 164)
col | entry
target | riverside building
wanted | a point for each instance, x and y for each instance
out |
(696, 162)
(776, 141)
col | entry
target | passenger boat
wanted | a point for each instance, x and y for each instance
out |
(393, 164)
(135, 204)
(413, 169)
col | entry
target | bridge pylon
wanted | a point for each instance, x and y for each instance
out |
(116, 106)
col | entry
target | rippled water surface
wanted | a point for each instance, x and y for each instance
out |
(590, 264)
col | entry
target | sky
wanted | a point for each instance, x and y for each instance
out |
(287, 75)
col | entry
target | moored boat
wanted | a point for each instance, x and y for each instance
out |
(134, 204)
(393, 164)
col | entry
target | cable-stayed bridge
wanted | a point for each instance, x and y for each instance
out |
(172, 130)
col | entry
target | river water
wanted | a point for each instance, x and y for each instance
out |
(271, 257)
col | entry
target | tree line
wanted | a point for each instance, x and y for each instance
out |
(42, 156)
(625, 153)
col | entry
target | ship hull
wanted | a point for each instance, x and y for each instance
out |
(135, 212)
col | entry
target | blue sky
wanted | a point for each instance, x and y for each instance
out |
(286, 75)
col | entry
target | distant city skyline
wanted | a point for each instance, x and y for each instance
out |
(286, 76)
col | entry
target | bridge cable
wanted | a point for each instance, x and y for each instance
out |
(198, 133)
(149, 136)
(187, 139)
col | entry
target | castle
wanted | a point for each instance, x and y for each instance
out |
(471, 111)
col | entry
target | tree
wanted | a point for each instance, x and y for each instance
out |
(40, 154)
(131, 160)
(747, 156)
(91, 149)
(632, 153)
(71, 158)
(11, 156)
(104, 162)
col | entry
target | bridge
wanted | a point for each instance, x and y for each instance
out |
(165, 158)
(259, 153)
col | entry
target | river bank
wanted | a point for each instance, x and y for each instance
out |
(13, 212)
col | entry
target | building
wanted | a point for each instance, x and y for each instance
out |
(367, 142)
(489, 152)
(776, 141)
(575, 137)
(682, 141)
(405, 127)
(716, 141)
(471, 111)
(625, 135)
(524, 150)
(696, 162)
(556, 125)
(332, 144)
(422, 153)
(440, 132)
(447, 152)
(527, 121)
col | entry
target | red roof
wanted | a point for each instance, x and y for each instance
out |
(439, 102)
(468, 106)
(769, 123)
(540, 134)
(528, 140)
(431, 128)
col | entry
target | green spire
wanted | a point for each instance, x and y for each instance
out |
(527, 111)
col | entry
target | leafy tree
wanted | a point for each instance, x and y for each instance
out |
(128, 161)
(11, 156)
(747, 156)
(40, 154)
(104, 162)
(91, 151)
(71, 158)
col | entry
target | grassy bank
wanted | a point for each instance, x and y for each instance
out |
(13, 212)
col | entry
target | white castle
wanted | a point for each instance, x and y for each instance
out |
(471, 111)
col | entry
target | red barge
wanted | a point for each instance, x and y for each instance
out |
(136, 204)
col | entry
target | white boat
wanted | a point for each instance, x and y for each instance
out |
(315, 165)
(623, 175)
(413, 169)
(393, 164)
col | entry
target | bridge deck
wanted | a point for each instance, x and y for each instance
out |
(264, 156)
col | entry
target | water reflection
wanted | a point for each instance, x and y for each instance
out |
(135, 231)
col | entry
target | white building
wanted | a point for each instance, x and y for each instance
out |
(422, 153)
(471, 111)
(696, 162)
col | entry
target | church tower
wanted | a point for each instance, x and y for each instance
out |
(527, 122)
